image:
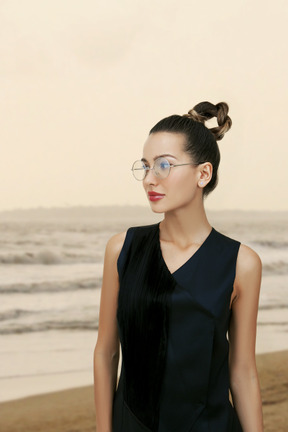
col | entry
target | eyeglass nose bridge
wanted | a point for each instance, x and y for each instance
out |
(154, 169)
(148, 170)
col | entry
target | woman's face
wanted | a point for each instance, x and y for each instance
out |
(180, 189)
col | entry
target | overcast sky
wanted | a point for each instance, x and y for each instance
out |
(83, 82)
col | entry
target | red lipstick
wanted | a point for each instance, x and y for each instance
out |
(155, 196)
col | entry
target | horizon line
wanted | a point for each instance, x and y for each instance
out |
(71, 207)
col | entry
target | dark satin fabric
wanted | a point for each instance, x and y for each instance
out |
(172, 329)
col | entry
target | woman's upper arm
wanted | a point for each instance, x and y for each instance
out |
(242, 329)
(108, 341)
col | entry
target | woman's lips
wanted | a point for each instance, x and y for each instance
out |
(155, 196)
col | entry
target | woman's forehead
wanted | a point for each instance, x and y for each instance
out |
(163, 143)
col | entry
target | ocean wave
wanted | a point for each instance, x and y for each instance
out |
(272, 244)
(20, 328)
(38, 374)
(50, 287)
(273, 306)
(275, 267)
(48, 257)
(41, 257)
(273, 323)
(15, 314)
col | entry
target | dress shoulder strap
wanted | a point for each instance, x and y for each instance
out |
(133, 235)
(123, 253)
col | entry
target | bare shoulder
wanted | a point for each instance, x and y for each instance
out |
(249, 265)
(115, 244)
(248, 259)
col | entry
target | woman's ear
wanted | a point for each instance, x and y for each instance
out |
(205, 174)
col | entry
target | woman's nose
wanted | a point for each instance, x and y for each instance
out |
(151, 178)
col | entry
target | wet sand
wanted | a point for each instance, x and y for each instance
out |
(73, 410)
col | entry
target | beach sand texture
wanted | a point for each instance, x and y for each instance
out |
(73, 410)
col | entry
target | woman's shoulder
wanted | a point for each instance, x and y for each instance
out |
(115, 243)
(248, 262)
(248, 267)
(248, 259)
(246, 256)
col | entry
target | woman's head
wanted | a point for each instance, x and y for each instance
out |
(200, 142)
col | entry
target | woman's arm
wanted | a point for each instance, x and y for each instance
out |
(244, 381)
(106, 353)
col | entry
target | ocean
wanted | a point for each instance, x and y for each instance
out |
(51, 263)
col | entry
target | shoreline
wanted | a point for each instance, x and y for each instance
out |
(73, 409)
(270, 339)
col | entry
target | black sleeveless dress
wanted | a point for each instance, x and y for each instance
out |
(172, 328)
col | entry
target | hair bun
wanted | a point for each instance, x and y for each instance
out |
(205, 111)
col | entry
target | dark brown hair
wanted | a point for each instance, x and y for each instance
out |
(201, 142)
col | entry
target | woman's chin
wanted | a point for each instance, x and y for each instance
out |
(157, 208)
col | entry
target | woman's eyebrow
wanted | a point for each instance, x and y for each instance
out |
(156, 157)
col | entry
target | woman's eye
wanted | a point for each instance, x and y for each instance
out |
(164, 165)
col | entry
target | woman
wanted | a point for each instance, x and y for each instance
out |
(171, 292)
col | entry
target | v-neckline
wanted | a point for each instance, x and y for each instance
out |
(189, 259)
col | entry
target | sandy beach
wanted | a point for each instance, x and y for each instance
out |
(73, 410)
(50, 295)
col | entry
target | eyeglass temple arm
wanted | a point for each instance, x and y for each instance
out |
(189, 163)
(146, 168)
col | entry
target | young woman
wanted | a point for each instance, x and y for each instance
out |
(172, 292)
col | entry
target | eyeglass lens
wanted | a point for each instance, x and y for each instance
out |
(161, 169)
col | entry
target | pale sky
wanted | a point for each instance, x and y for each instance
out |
(83, 82)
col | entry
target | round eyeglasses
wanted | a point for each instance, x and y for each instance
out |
(161, 168)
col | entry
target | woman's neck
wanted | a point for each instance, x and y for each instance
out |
(185, 226)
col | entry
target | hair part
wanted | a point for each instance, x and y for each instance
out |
(201, 142)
